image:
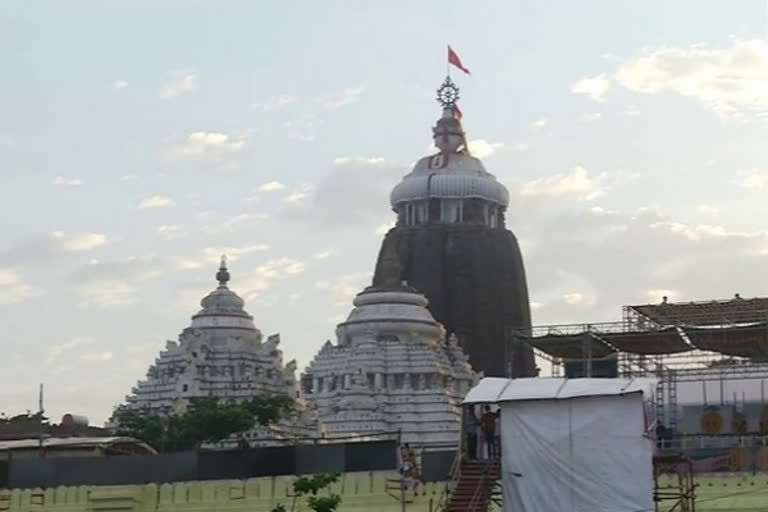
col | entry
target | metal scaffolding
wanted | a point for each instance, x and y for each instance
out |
(706, 341)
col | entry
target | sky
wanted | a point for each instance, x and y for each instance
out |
(141, 140)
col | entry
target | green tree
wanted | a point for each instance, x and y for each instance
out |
(309, 487)
(206, 420)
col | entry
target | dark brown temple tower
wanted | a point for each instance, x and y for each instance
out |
(453, 246)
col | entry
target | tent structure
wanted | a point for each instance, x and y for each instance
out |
(573, 445)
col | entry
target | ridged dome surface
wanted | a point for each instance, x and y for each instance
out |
(458, 176)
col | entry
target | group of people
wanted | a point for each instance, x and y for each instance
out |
(483, 440)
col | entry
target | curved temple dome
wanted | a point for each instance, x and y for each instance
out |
(391, 370)
(221, 354)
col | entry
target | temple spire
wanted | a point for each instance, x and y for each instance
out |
(222, 276)
(390, 271)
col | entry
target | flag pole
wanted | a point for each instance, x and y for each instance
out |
(448, 64)
(41, 411)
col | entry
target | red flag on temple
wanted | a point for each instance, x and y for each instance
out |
(454, 59)
(457, 111)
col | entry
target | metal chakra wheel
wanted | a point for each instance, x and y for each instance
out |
(448, 93)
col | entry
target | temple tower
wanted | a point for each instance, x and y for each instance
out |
(453, 245)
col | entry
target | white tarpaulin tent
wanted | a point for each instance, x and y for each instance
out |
(573, 445)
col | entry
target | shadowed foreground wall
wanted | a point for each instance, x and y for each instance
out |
(360, 491)
(474, 278)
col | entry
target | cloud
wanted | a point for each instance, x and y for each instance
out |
(296, 197)
(96, 357)
(708, 209)
(325, 254)
(271, 186)
(753, 179)
(481, 148)
(590, 118)
(180, 82)
(274, 103)
(539, 124)
(66, 182)
(56, 351)
(78, 241)
(302, 129)
(212, 255)
(203, 145)
(156, 202)
(119, 84)
(382, 229)
(128, 177)
(170, 231)
(616, 258)
(116, 283)
(337, 199)
(342, 289)
(234, 223)
(730, 81)
(577, 183)
(595, 87)
(343, 98)
(13, 289)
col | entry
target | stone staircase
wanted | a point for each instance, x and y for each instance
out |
(475, 487)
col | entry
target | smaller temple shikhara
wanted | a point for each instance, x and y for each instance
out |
(222, 354)
(392, 368)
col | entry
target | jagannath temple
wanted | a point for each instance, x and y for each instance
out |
(392, 370)
(453, 245)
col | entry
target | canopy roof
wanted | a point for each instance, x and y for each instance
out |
(495, 389)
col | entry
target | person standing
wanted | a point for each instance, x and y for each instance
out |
(488, 425)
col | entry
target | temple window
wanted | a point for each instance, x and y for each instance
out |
(422, 214)
(451, 211)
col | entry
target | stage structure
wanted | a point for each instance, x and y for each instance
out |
(707, 342)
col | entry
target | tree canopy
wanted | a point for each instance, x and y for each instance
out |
(309, 487)
(206, 420)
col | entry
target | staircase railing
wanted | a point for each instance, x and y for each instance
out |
(455, 473)
(481, 491)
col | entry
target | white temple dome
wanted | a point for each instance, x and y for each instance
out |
(223, 308)
(450, 174)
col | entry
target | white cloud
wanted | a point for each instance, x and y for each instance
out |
(107, 294)
(180, 82)
(520, 146)
(753, 179)
(78, 241)
(66, 182)
(56, 351)
(631, 110)
(595, 87)
(156, 202)
(325, 254)
(271, 186)
(96, 357)
(170, 231)
(481, 148)
(274, 103)
(296, 197)
(590, 118)
(13, 289)
(707, 209)
(730, 81)
(539, 123)
(578, 299)
(343, 98)
(577, 182)
(343, 289)
(128, 177)
(212, 255)
(207, 144)
(119, 84)
(301, 129)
